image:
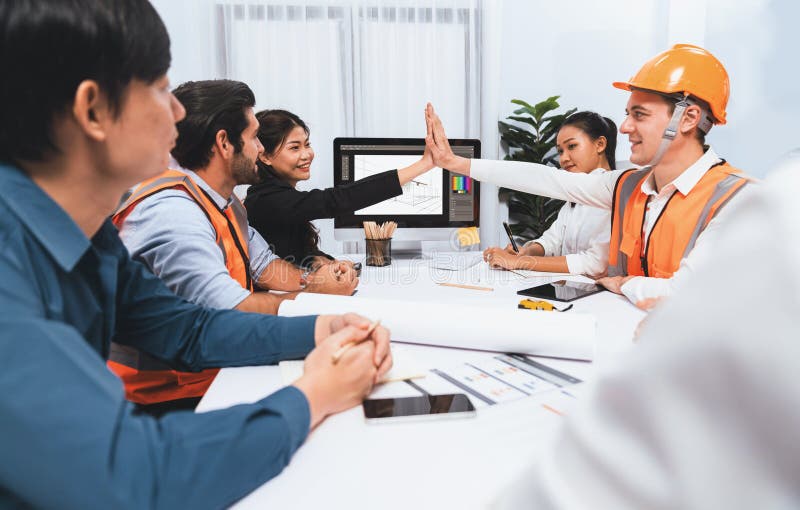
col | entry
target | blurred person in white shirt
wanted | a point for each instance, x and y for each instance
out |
(705, 412)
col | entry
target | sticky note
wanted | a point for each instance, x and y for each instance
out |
(468, 236)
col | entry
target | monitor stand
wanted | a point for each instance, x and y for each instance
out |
(406, 249)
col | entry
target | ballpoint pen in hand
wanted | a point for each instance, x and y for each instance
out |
(343, 349)
(510, 236)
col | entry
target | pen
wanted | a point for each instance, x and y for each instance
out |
(510, 237)
(343, 349)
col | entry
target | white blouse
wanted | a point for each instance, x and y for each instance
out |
(581, 233)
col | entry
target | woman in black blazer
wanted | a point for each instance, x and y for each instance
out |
(282, 214)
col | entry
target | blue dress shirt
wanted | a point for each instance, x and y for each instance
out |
(68, 437)
(172, 236)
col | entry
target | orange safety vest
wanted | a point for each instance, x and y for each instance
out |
(147, 379)
(676, 229)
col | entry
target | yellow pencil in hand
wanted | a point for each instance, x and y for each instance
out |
(343, 349)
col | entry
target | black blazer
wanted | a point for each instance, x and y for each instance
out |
(281, 213)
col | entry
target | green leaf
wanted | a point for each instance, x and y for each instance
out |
(549, 132)
(559, 118)
(545, 106)
(526, 120)
(525, 106)
(531, 215)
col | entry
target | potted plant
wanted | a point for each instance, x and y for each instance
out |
(533, 140)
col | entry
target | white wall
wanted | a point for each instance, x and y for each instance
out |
(758, 41)
(192, 34)
(576, 48)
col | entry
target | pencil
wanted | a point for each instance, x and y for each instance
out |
(343, 349)
(461, 286)
(517, 273)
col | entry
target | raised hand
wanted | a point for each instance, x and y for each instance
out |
(438, 146)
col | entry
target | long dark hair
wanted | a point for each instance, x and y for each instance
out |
(274, 126)
(595, 126)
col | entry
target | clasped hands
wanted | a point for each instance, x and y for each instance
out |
(332, 387)
(333, 277)
(351, 328)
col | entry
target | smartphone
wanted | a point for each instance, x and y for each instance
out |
(510, 236)
(455, 405)
(562, 290)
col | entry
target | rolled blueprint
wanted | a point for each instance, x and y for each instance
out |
(543, 333)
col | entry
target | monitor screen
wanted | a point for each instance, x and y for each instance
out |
(423, 195)
(435, 199)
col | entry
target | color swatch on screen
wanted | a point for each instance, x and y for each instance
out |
(460, 184)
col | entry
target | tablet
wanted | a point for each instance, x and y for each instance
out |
(562, 290)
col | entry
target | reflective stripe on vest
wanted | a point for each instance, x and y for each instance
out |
(624, 187)
(677, 228)
(147, 379)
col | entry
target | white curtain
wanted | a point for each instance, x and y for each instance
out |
(411, 53)
(293, 57)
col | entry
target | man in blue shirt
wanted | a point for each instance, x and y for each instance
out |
(88, 114)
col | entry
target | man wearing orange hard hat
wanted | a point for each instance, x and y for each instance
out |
(663, 212)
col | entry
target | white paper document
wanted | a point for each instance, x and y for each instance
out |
(455, 261)
(565, 335)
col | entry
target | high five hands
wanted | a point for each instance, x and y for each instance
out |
(438, 147)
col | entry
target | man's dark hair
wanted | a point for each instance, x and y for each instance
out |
(211, 106)
(48, 47)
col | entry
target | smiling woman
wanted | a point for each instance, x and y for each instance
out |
(282, 214)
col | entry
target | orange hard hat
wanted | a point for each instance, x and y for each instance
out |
(686, 69)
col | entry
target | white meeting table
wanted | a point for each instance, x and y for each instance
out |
(438, 463)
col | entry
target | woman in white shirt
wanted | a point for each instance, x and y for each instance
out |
(577, 242)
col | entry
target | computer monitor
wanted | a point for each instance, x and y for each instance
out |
(432, 207)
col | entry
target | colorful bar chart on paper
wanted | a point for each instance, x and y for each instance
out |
(504, 378)
(460, 184)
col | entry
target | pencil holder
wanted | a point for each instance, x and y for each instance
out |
(379, 252)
